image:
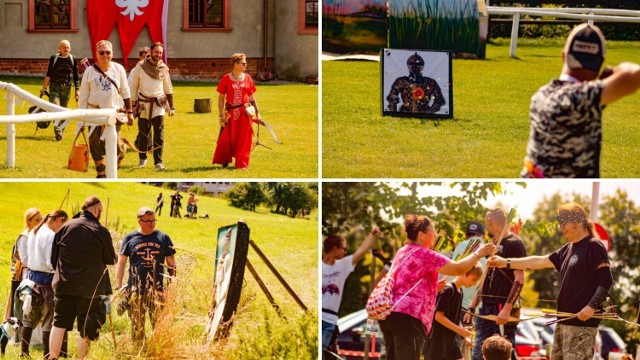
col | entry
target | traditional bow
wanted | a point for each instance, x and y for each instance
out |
(494, 318)
(273, 133)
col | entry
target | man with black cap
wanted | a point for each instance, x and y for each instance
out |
(416, 91)
(566, 131)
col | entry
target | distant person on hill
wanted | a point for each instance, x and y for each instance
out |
(192, 206)
(565, 139)
(176, 204)
(159, 203)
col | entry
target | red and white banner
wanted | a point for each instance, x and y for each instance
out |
(130, 16)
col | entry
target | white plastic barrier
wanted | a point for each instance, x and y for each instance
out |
(591, 15)
(54, 112)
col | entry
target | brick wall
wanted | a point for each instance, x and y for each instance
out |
(180, 69)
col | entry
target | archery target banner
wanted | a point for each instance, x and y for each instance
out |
(416, 83)
(232, 246)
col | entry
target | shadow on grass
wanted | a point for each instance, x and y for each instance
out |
(33, 138)
(207, 168)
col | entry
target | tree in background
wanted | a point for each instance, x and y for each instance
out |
(620, 216)
(292, 198)
(246, 195)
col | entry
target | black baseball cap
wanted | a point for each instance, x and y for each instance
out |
(475, 228)
(585, 48)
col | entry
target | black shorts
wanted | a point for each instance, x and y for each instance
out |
(90, 314)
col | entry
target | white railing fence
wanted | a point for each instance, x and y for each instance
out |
(591, 15)
(54, 112)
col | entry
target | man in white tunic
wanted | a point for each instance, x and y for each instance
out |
(104, 86)
(152, 93)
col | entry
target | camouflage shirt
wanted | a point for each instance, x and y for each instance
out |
(566, 132)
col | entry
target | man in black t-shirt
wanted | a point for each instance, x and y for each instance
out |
(585, 279)
(147, 250)
(501, 288)
(80, 253)
(62, 67)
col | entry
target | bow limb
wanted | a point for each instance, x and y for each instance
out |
(511, 319)
(273, 133)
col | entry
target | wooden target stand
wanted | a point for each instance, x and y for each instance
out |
(275, 272)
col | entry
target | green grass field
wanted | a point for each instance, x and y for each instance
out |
(190, 138)
(258, 332)
(488, 136)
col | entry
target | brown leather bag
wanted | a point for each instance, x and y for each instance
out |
(79, 156)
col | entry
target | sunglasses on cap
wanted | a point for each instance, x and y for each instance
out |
(102, 52)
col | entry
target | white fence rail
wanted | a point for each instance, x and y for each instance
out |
(591, 15)
(55, 112)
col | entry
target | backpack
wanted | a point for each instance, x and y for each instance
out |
(55, 58)
(34, 110)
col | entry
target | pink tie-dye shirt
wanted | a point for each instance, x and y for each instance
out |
(421, 264)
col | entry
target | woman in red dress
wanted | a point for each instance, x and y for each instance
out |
(235, 100)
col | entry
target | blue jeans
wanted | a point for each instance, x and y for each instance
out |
(327, 333)
(487, 328)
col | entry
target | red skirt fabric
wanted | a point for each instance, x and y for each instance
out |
(235, 141)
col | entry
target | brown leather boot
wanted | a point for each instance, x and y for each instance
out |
(25, 340)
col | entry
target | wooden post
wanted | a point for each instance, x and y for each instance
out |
(202, 106)
(277, 274)
(262, 285)
(11, 132)
(514, 34)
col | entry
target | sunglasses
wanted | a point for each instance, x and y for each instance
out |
(149, 221)
(102, 52)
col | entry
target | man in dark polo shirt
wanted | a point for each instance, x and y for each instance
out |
(81, 251)
(62, 67)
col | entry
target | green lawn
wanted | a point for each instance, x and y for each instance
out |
(190, 138)
(258, 332)
(488, 136)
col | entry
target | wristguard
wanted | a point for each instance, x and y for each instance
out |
(170, 101)
(605, 280)
(515, 292)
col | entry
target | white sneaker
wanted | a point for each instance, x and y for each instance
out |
(159, 166)
(142, 163)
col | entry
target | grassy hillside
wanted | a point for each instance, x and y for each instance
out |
(190, 138)
(488, 136)
(258, 332)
